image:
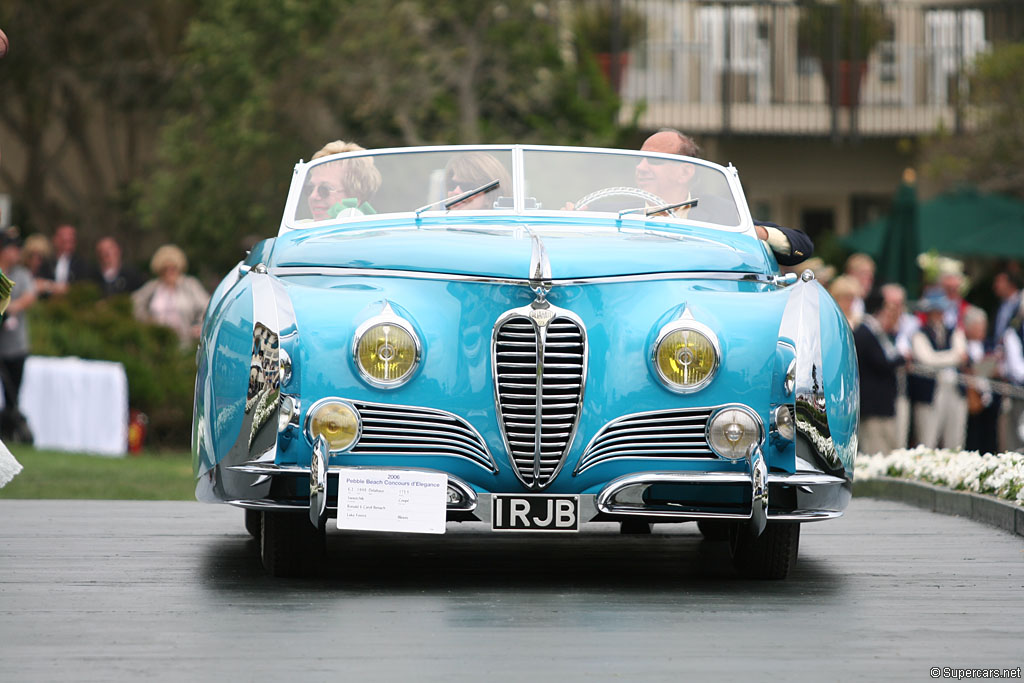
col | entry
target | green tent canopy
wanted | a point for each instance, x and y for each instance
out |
(961, 223)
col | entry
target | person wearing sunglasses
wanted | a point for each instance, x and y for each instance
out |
(671, 182)
(339, 189)
(469, 171)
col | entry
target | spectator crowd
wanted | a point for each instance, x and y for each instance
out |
(943, 373)
(42, 267)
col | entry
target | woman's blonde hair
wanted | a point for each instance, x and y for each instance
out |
(477, 168)
(36, 245)
(360, 176)
(845, 285)
(168, 255)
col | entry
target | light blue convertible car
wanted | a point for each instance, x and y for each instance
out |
(528, 338)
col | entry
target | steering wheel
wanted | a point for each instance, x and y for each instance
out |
(631, 192)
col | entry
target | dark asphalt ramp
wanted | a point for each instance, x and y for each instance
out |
(104, 591)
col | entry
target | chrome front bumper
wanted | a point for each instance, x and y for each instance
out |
(812, 496)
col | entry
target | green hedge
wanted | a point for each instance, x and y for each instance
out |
(161, 373)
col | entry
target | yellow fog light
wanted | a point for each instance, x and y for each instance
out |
(337, 421)
(386, 351)
(686, 356)
(732, 431)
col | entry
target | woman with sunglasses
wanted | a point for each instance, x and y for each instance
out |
(471, 170)
(341, 188)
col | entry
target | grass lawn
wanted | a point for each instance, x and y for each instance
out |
(165, 475)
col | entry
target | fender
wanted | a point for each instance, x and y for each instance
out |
(825, 398)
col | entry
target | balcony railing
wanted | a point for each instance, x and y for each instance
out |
(787, 68)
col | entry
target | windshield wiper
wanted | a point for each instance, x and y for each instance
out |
(650, 211)
(449, 202)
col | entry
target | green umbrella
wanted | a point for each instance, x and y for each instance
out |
(897, 260)
(965, 222)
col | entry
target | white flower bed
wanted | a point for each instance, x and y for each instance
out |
(1000, 475)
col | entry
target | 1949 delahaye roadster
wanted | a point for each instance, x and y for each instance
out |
(530, 338)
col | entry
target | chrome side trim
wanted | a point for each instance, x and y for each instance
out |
(801, 325)
(804, 515)
(341, 271)
(318, 484)
(273, 322)
(804, 479)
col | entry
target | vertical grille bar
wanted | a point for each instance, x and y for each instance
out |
(539, 376)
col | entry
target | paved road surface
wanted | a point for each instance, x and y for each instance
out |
(113, 591)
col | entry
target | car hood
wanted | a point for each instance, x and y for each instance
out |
(503, 249)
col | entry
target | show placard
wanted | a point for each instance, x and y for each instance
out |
(408, 501)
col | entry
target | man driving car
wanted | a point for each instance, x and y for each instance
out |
(671, 181)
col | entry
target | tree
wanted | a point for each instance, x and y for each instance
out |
(991, 156)
(82, 90)
(265, 82)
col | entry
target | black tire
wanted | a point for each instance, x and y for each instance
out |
(768, 556)
(714, 530)
(253, 523)
(289, 545)
(634, 526)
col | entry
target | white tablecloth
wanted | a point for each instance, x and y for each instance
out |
(76, 405)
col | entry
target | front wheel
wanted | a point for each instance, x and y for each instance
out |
(714, 529)
(289, 545)
(768, 556)
(253, 522)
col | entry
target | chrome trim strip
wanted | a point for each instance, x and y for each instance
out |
(342, 271)
(318, 484)
(803, 515)
(804, 479)
(386, 315)
(518, 180)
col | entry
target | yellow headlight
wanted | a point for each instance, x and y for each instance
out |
(686, 359)
(386, 354)
(337, 422)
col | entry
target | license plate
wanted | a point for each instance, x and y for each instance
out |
(534, 512)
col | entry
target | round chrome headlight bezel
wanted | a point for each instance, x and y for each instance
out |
(311, 413)
(386, 317)
(686, 324)
(722, 413)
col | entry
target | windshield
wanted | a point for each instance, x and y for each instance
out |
(484, 179)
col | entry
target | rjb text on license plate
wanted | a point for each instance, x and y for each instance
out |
(535, 512)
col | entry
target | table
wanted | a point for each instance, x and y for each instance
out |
(73, 404)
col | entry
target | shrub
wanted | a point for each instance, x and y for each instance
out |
(161, 373)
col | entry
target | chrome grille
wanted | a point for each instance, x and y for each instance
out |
(656, 434)
(408, 430)
(539, 402)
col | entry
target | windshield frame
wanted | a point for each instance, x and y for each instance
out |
(518, 172)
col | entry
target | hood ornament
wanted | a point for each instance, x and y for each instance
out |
(540, 272)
